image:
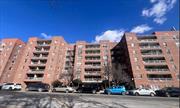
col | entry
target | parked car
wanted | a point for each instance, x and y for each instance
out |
(1, 86)
(88, 89)
(115, 90)
(65, 89)
(142, 91)
(40, 87)
(11, 86)
(168, 91)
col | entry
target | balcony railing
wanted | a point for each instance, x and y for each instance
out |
(154, 61)
(148, 40)
(159, 78)
(42, 50)
(37, 63)
(43, 44)
(159, 70)
(92, 73)
(144, 54)
(34, 78)
(92, 66)
(92, 79)
(36, 71)
(150, 47)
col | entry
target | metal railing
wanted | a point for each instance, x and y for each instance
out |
(148, 40)
(160, 70)
(159, 78)
(154, 61)
(144, 47)
(34, 78)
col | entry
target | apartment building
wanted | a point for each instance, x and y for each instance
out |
(91, 60)
(47, 60)
(43, 60)
(147, 60)
(10, 54)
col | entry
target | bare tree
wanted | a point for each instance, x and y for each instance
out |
(107, 73)
(68, 75)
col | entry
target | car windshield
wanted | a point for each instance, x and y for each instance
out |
(164, 88)
(9, 84)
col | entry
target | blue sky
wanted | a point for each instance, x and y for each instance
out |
(89, 20)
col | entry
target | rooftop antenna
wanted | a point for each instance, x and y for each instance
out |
(173, 29)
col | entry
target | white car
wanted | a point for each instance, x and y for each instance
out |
(65, 89)
(11, 86)
(142, 91)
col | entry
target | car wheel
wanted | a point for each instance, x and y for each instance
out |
(26, 89)
(53, 90)
(67, 91)
(136, 94)
(108, 92)
(94, 91)
(40, 90)
(123, 93)
(152, 94)
(10, 88)
(167, 94)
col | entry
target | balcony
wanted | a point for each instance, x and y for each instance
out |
(93, 46)
(35, 72)
(44, 42)
(148, 41)
(40, 57)
(42, 50)
(37, 64)
(92, 73)
(157, 70)
(92, 80)
(150, 47)
(164, 79)
(33, 79)
(154, 62)
(92, 66)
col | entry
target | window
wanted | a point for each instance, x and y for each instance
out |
(174, 67)
(178, 76)
(10, 68)
(168, 51)
(164, 44)
(139, 76)
(171, 59)
(130, 38)
(137, 67)
(105, 57)
(135, 59)
(134, 52)
(132, 44)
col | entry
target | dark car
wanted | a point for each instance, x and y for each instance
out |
(38, 87)
(168, 91)
(88, 89)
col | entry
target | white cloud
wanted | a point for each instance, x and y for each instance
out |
(141, 28)
(158, 10)
(112, 35)
(152, 1)
(45, 36)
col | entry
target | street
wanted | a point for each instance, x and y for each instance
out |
(9, 99)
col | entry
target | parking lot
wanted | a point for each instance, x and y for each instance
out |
(11, 99)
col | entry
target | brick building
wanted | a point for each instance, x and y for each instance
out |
(136, 61)
(147, 60)
(47, 60)
(10, 55)
(91, 60)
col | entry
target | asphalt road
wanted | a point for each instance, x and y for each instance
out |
(9, 99)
